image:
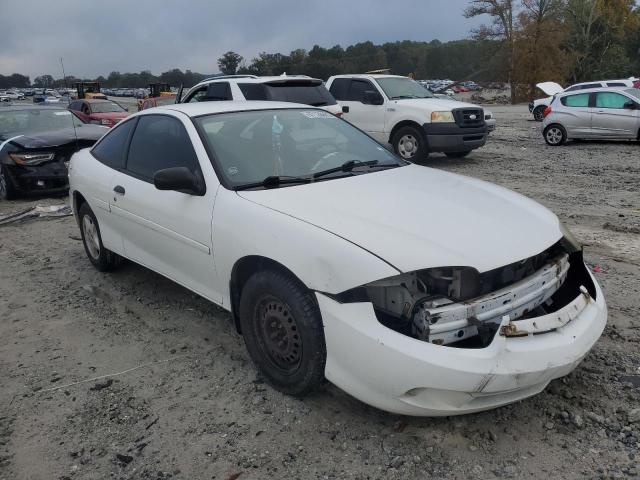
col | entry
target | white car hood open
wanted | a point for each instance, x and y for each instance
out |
(550, 88)
(416, 217)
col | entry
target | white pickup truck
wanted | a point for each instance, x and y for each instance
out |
(400, 111)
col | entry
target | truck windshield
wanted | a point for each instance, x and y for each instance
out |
(398, 88)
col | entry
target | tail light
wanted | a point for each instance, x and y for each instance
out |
(546, 112)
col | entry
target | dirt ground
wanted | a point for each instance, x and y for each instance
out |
(127, 375)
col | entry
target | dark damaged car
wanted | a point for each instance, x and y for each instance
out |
(36, 143)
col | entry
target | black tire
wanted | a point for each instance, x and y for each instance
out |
(7, 192)
(538, 113)
(555, 135)
(458, 154)
(101, 258)
(414, 136)
(283, 332)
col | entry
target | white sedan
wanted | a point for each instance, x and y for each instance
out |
(417, 291)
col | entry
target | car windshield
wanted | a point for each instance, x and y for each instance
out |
(250, 146)
(400, 87)
(30, 121)
(106, 107)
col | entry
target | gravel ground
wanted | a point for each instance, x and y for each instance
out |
(127, 375)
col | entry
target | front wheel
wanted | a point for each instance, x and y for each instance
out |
(99, 256)
(555, 135)
(458, 154)
(410, 143)
(6, 189)
(283, 332)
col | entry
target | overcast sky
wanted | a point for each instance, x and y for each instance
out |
(95, 38)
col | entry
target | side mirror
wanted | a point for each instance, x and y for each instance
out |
(345, 109)
(371, 97)
(630, 105)
(179, 179)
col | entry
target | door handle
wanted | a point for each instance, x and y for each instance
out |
(119, 189)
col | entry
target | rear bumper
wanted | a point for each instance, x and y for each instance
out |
(449, 137)
(48, 178)
(403, 375)
(530, 107)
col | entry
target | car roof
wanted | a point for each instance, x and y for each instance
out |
(206, 108)
(254, 79)
(601, 81)
(594, 90)
(96, 100)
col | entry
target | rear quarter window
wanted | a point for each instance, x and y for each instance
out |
(315, 95)
(111, 149)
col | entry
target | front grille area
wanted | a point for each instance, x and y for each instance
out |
(469, 117)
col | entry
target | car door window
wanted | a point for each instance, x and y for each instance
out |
(610, 100)
(340, 88)
(580, 100)
(197, 96)
(253, 91)
(590, 85)
(357, 89)
(616, 84)
(160, 142)
(110, 150)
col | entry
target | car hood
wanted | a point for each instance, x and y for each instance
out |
(550, 88)
(416, 217)
(435, 103)
(64, 136)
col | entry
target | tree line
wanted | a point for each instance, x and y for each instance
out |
(524, 42)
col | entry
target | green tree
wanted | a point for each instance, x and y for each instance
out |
(229, 62)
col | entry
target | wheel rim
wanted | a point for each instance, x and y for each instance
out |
(538, 114)
(408, 146)
(91, 237)
(278, 334)
(554, 135)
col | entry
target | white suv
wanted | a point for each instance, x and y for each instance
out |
(398, 110)
(294, 89)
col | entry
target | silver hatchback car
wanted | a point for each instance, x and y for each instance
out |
(598, 113)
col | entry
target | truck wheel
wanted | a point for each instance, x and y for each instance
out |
(6, 189)
(410, 143)
(458, 154)
(101, 258)
(538, 113)
(555, 135)
(283, 332)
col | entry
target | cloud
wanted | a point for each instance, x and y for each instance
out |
(95, 38)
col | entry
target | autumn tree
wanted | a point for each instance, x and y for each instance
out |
(228, 63)
(502, 27)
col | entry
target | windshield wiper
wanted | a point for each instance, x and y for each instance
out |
(345, 167)
(400, 97)
(273, 181)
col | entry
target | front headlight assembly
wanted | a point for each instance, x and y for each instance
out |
(30, 159)
(442, 117)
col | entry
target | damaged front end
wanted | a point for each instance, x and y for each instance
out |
(460, 307)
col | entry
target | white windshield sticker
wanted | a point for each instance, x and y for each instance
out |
(317, 114)
(63, 112)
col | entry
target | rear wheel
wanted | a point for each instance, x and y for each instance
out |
(283, 332)
(538, 113)
(458, 154)
(6, 189)
(555, 135)
(410, 143)
(99, 256)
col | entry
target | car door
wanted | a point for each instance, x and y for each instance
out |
(612, 119)
(367, 117)
(167, 231)
(110, 153)
(576, 115)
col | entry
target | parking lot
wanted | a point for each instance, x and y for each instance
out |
(128, 375)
